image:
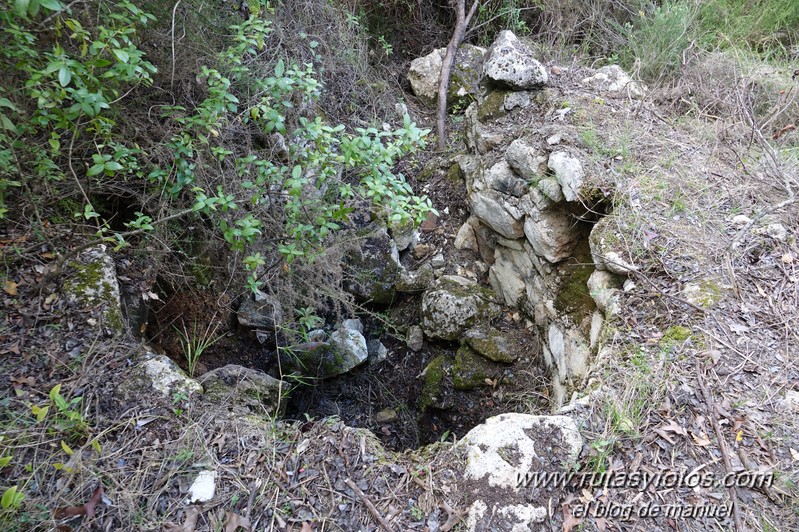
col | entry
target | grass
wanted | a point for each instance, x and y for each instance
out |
(195, 343)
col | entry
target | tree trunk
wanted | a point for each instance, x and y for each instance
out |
(461, 23)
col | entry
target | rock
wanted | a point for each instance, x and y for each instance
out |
(551, 189)
(490, 344)
(157, 373)
(791, 400)
(524, 159)
(703, 293)
(569, 173)
(386, 415)
(454, 304)
(434, 393)
(612, 78)
(404, 234)
(741, 220)
(415, 281)
(495, 212)
(501, 178)
(606, 248)
(353, 324)
(377, 351)
(421, 251)
(775, 231)
(464, 82)
(243, 390)
(373, 269)
(516, 99)
(260, 311)
(466, 239)
(479, 139)
(470, 370)
(203, 487)
(91, 283)
(345, 350)
(567, 351)
(501, 449)
(510, 274)
(552, 234)
(438, 261)
(511, 64)
(415, 338)
(604, 287)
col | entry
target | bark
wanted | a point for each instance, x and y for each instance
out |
(461, 23)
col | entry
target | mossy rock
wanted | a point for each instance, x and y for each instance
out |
(674, 336)
(491, 345)
(493, 106)
(92, 284)
(470, 370)
(434, 393)
(453, 305)
(703, 293)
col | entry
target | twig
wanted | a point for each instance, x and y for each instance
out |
(722, 442)
(172, 38)
(383, 523)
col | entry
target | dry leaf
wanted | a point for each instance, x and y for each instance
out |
(700, 439)
(569, 521)
(189, 524)
(30, 381)
(13, 348)
(84, 509)
(10, 288)
(674, 427)
(794, 454)
(234, 521)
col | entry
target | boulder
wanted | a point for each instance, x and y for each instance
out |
(604, 289)
(377, 351)
(471, 370)
(343, 351)
(569, 173)
(243, 390)
(415, 281)
(510, 63)
(490, 344)
(500, 453)
(91, 283)
(373, 269)
(260, 311)
(479, 139)
(454, 304)
(551, 189)
(551, 233)
(510, 274)
(156, 373)
(464, 83)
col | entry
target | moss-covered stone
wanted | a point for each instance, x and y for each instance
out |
(493, 106)
(92, 283)
(470, 370)
(491, 345)
(433, 393)
(455, 174)
(703, 293)
(455, 304)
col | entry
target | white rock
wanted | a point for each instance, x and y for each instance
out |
(552, 189)
(569, 173)
(490, 208)
(167, 378)
(511, 63)
(524, 158)
(353, 324)
(466, 239)
(612, 78)
(352, 346)
(741, 220)
(203, 487)
(551, 233)
(520, 99)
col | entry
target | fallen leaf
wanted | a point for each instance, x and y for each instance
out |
(794, 454)
(13, 348)
(10, 288)
(29, 381)
(84, 509)
(234, 521)
(700, 439)
(189, 524)
(676, 428)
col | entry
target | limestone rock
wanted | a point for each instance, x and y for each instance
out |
(604, 288)
(569, 173)
(377, 351)
(517, 99)
(612, 78)
(471, 370)
(491, 345)
(464, 82)
(552, 234)
(92, 283)
(415, 338)
(501, 178)
(260, 311)
(502, 448)
(344, 350)
(405, 234)
(524, 159)
(159, 374)
(417, 280)
(510, 63)
(495, 212)
(466, 239)
(454, 304)
(434, 391)
(373, 269)
(479, 139)
(243, 390)
(351, 345)
(510, 274)
(551, 189)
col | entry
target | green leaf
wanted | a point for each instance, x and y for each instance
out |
(96, 169)
(67, 449)
(52, 5)
(5, 102)
(55, 392)
(280, 67)
(21, 7)
(39, 412)
(4, 461)
(64, 76)
(122, 55)
(11, 499)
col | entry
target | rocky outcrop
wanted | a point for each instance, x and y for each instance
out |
(510, 63)
(243, 390)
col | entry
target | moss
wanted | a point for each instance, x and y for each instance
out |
(704, 293)
(470, 370)
(574, 297)
(89, 286)
(490, 345)
(455, 174)
(674, 336)
(433, 388)
(493, 106)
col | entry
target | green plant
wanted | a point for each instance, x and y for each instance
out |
(68, 417)
(195, 343)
